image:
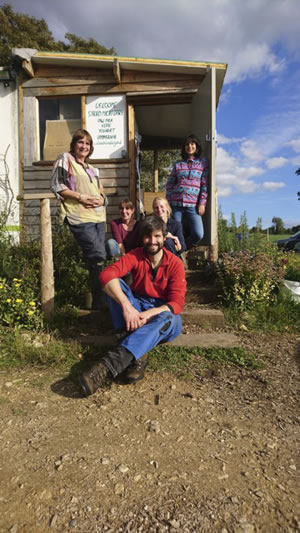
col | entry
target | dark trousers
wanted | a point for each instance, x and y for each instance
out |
(91, 238)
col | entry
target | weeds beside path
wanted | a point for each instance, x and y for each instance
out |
(214, 450)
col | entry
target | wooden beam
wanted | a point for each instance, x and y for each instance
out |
(155, 154)
(27, 66)
(150, 142)
(47, 270)
(117, 71)
(159, 87)
(21, 154)
(83, 112)
(131, 153)
(36, 196)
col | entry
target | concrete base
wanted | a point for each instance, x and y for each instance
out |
(203, 340)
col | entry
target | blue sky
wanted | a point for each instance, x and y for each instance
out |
(258, 117)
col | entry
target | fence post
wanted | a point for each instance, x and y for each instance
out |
(47, 276)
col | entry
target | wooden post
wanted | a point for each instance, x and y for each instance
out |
(131, 154)
(155, 170)
(47, 276)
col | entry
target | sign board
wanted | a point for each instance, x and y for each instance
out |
(106, 122)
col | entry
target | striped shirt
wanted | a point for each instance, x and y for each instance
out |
(187, 185)
(68, 173)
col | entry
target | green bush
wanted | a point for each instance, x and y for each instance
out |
(70, 272)
(18, 305)
(247, 280)
(291, 266)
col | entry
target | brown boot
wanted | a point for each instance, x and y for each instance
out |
(95, 377)
(136, 370)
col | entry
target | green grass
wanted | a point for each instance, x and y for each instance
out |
(176, 359)
(274, 238)
(17, 350)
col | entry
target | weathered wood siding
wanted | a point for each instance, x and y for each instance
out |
(115, 179)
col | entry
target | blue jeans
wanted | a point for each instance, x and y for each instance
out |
(161, 328)
(112, 248)
(194, 221)
(91, 238)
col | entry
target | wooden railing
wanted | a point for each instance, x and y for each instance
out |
(47, 271)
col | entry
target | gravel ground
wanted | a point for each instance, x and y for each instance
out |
(216, 452)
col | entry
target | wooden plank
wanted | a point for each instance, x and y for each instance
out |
(21, 152)
(117, 71)
(36, 196)
(44, 71)
(99, 163)
(148, 200)
(64, 73)
(116, 173)
(131, 153)
(47, 270)
(31, 130)
(109, 88)
(28, 67)
(83, 112)
(111, 182)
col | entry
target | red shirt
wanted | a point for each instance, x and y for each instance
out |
(169, 283)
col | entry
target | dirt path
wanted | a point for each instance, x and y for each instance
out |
(217, 453)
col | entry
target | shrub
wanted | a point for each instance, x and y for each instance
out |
(18, 305)
(291, 266)
(247, 280)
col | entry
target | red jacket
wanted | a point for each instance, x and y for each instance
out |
(169, 283)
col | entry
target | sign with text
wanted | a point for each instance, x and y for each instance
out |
(107, 124)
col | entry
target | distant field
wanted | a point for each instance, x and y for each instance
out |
(273, 238)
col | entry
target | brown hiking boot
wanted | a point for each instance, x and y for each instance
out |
(136, 370)
(95, 377)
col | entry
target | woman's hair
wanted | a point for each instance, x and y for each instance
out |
(149, 224)
(79, 134)
(191, 138)
(164, 201)
(127, 203)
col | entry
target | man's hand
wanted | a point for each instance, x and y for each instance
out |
(201, 209)
(132, 317)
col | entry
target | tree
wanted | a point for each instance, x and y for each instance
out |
(278, 225)
(259, 225)
(19, 30)
(165, 159)
(298, 173)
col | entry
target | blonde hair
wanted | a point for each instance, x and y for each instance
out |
(165, 202)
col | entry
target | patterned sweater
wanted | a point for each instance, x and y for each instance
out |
(68, 173)
(188, 182)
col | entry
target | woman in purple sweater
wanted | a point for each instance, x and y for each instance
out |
(124, 231)
(187, 188)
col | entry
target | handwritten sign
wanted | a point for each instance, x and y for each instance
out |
(107, 124)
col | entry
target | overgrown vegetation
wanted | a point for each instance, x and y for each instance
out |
(249, 276)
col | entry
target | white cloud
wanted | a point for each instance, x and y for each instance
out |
(232, 176)
(295, 144)
(251, 150)
(273, 185)
(242, 34)
(276, 162)
(222, 139)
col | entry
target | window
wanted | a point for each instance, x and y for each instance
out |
(58, 119)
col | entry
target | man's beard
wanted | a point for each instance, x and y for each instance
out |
(153, 251)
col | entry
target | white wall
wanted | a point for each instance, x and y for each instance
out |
(9, 145)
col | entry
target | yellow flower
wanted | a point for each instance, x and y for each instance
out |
(19, 300)
(30, 313)
(1, 286)
(8, 300)
(17, 285)
(32, 303)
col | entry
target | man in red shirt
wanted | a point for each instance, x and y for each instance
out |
(144, 314)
